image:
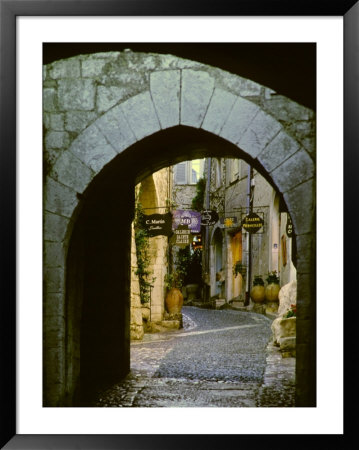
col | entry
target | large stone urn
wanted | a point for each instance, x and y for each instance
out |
(257, 292)
(271, 292)
(174, 301)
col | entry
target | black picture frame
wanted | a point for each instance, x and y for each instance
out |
(9, 10)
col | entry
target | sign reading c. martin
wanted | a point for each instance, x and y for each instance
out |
(158, 224)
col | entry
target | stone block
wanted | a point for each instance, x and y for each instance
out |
(54, 279)
(92, 67)
(57, 140)
(287, 297)
(243, 112)
(107, 97)
(299, 199)
(67, 68)
(287, 110)
(92, 148)
(55, 366)
(77, 121)
(295, 170)
(76, 95)
(218, 110)
(115, 128)
(54, 254)
(136, 332)
(165, 92)
(70, 171)
(141, 115)
(197, 90)
(277, 151)
(59, 199)
(56, 122)
(49, 99)
(259, 133)
(54, 330)
(54, 304)
(55, 226)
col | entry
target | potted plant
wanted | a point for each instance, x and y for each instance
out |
(258, 290)
(272, 289)
(239, 268)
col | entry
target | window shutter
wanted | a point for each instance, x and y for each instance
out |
(180, 177)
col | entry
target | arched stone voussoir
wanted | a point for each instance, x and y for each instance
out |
(278, 150)
(260, 131)
(141, 115)
(114, 127)
(196, 93)
(70, 171)
(59, 199)
(301, 205)
(92, 148)
(241, 115)
(297, 169)
(218, 110)
(165, 88)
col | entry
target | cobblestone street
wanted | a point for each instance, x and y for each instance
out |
(219, 359)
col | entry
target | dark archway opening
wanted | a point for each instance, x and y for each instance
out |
(98, 261)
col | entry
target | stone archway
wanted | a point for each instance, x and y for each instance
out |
(98, 109)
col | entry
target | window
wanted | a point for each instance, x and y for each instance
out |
(188, 172)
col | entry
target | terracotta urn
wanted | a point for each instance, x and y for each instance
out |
(258, 293)
(174, 301)
(271, 292)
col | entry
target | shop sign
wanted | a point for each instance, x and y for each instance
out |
(209, 217)
(182, 236)
(252, 223)
(289, 227)
(187, 217)
(158, 224)
(228, 222)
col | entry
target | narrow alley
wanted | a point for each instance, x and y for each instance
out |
(220, 358)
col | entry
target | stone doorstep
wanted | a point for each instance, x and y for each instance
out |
(164, 325)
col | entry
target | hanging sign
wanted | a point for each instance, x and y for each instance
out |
(182, 236)
(289, 227)
(158, 224)
(252, 223)
(209, 217)
(186, 217)
(228, 222)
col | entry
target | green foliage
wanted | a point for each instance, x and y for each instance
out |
(292, 312)
(258, 280)
(198, 199)
(142, 253)
(272, 277)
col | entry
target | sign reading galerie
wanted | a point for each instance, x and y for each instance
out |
(252, 223)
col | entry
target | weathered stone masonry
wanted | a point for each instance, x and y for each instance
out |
(97, 106)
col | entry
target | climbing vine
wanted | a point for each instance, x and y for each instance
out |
(142, 253)
(198, 199)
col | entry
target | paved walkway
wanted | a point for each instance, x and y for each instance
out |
(219, 359)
